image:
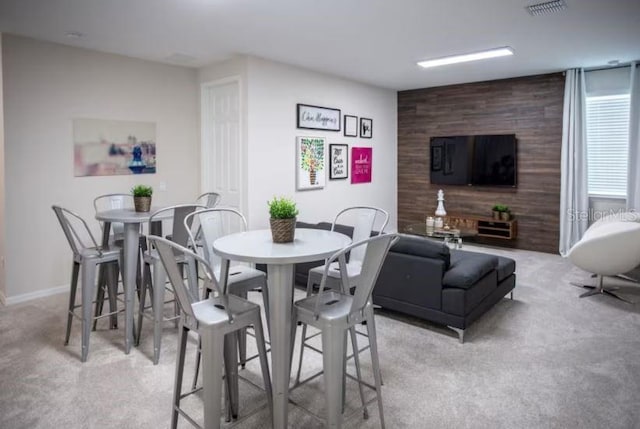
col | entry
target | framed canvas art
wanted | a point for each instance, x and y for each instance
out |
(318, 118)
(103, 147)
(366, 128)
(361, 164)
(350, 126)
(338, 161)
(310, 161)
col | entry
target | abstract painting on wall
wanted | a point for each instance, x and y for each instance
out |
(110, 148)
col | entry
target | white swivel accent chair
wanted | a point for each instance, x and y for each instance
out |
(608, 248)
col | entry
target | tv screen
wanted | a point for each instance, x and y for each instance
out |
(484, 160)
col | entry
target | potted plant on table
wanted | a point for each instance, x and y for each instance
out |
(501, 212)
(283, 212)
(142, 197)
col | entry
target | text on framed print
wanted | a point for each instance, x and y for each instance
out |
(318, 118)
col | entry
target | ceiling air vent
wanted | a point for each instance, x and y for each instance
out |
(182, 59)
(546, 7)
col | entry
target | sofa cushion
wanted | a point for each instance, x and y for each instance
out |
(460, 301)
(419, 246)
(506, 267)
(342, 229)
(467, 268)
(309, 225)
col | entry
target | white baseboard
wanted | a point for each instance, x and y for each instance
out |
(32, 295)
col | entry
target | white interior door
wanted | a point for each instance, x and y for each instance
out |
(222, 146)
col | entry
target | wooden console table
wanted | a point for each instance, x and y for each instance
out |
(484, 226)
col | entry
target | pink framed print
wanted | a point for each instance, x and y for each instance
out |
(361, 163)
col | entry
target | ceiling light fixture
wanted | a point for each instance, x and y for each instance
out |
(453, 59)
(74, 34)
(546, 7)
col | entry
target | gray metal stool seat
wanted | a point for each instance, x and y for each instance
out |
(363, 219)
(87, 258)
(154, 276)
(217, 320)
(336, 312)
(212, 224)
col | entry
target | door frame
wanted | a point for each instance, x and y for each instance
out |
(205, 144)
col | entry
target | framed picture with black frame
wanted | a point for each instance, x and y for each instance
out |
(350, 126)
(338, 161)
(366, 128)
(318, 118)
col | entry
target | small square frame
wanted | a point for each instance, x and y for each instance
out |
(350, 126)
(366, 128)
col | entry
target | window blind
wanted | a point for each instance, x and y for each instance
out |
(607, 144)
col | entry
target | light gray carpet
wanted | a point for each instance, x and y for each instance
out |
(545, 360)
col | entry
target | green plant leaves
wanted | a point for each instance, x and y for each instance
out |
(501, 208)
(142, 191)
(282, 208)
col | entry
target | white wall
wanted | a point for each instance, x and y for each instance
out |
(2, 234)
(46, 86)
(274, 89)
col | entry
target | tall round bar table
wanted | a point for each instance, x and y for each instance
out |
(258, 247)
(132, 221)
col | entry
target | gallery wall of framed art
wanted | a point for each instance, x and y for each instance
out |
(317, 154)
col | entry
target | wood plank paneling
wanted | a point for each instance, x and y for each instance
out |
(531, 108)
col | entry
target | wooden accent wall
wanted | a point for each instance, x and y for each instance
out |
(530, 107)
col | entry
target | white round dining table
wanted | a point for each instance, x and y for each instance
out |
(258, 247)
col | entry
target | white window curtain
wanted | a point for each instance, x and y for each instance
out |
(574, 198)
(633, 183)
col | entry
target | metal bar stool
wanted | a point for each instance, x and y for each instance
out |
(155, 284)
(364, 219)
(213, 224)
(212, 319)
(209, 199)
(87, 259)
(334, 312)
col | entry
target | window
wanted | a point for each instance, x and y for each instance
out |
(607, 145)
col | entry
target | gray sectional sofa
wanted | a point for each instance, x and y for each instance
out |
(423, 278)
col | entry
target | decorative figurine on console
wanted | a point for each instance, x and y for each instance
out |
(440, 211)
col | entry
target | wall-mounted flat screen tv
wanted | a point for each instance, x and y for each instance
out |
(483, 160)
